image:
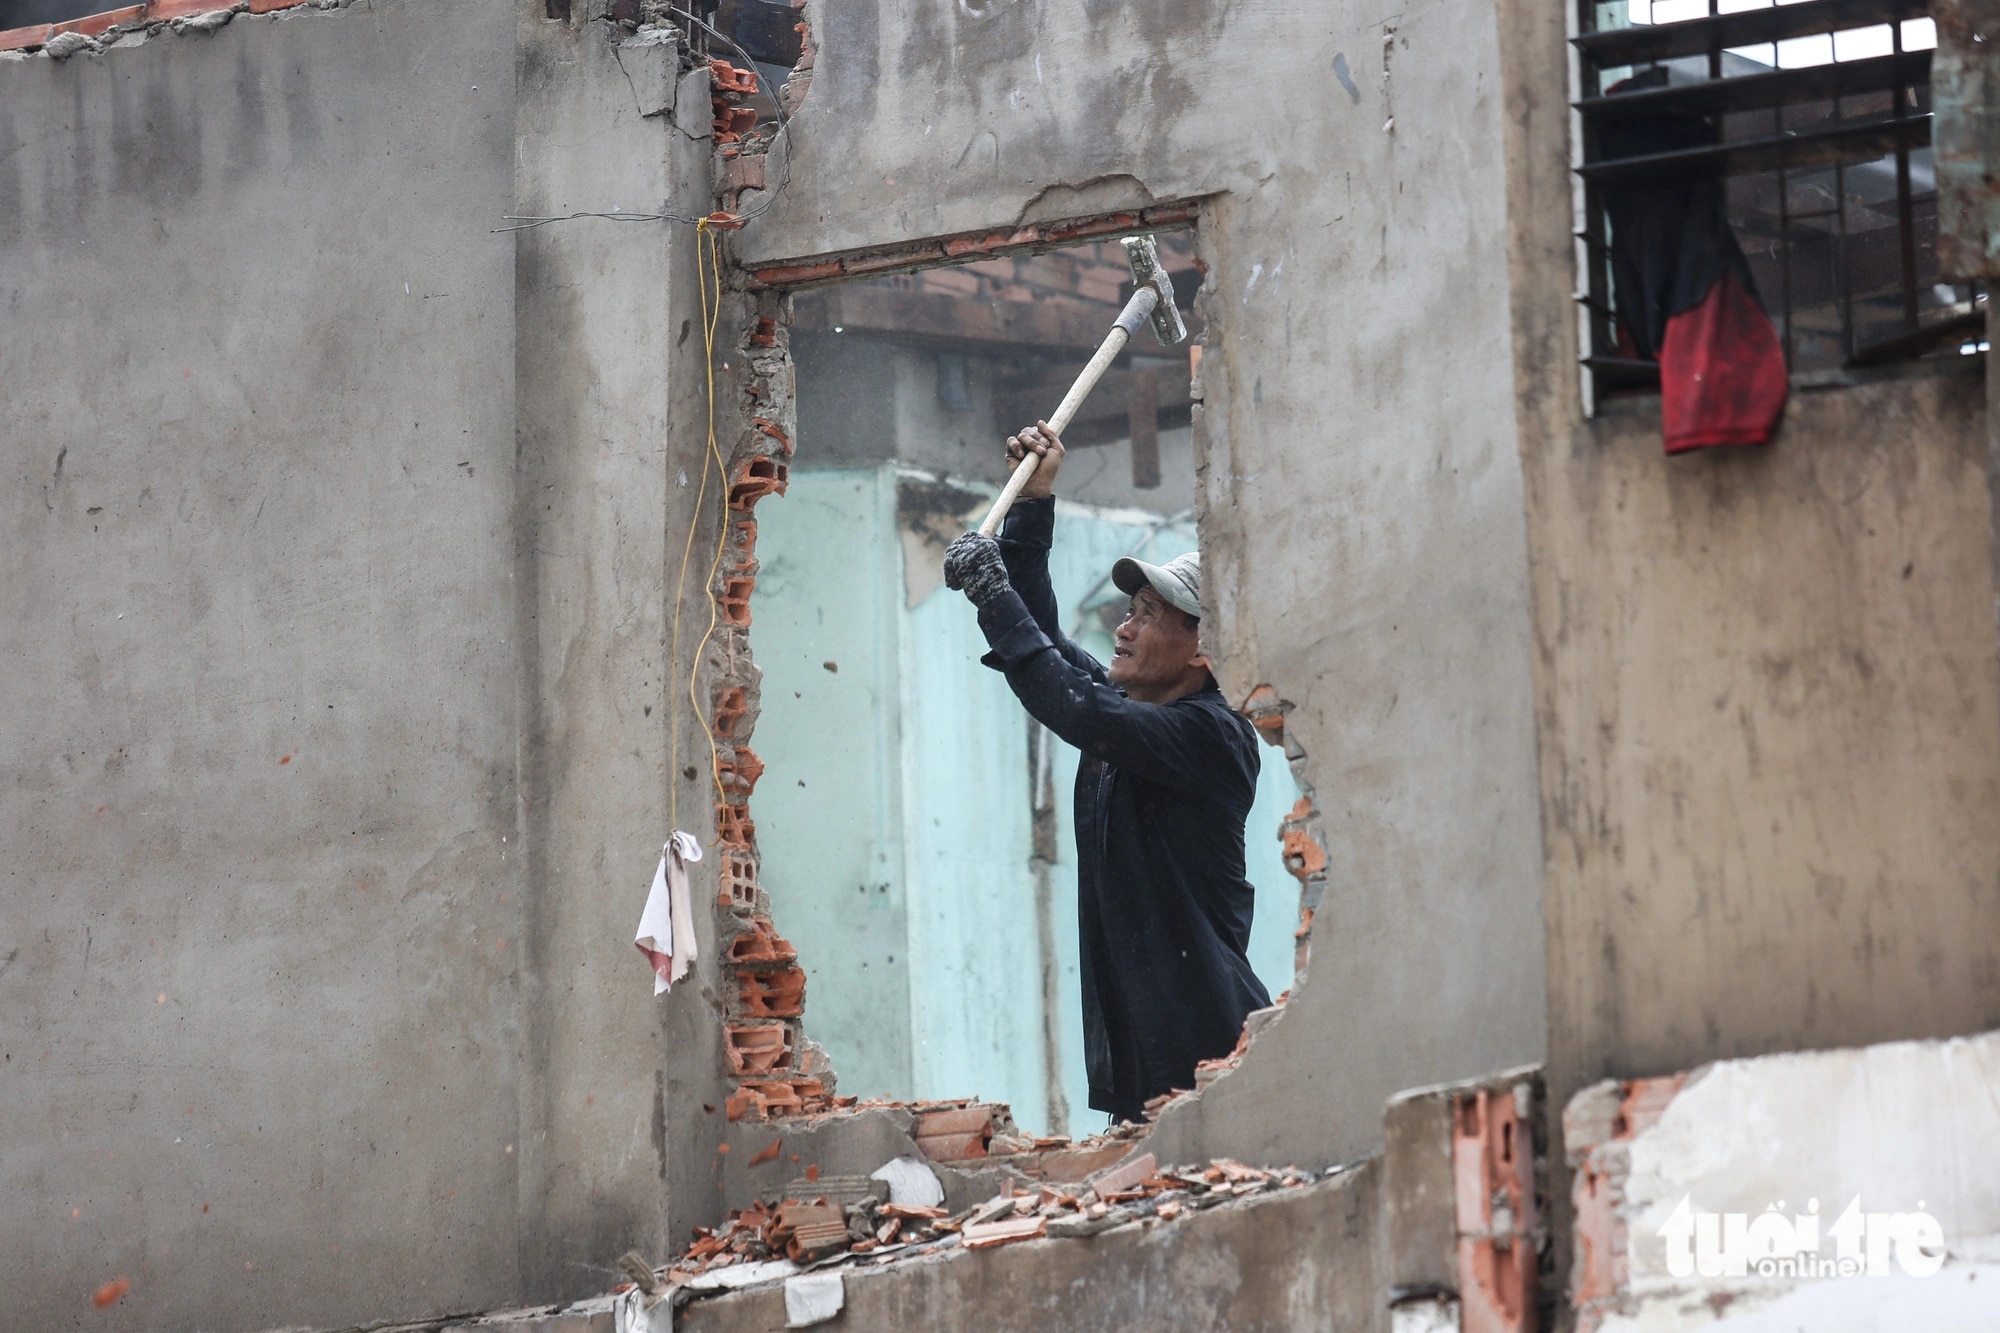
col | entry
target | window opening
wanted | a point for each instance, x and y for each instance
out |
(914, 824)
(1814, 121)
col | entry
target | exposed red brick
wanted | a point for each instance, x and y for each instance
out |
(779, 994)
(96, 25)
(160, 10)
(903, 257)
(1645, 1102)
(19, 39)
(720, 221)
(761, 944)
(735, 599)
(1304, 857)
(983, 1235)
(743, 545)
(768, 1153)
(974, 245)
(1266, 712)
(272, 6)
(728, 78)
(1493, 1188)
(732, 123)
(761, 1098)
(730, 706)
(777, 274)
(811, 1230)
(775, 431)
(1115, 222)
(741, 771)
(767, 329)
(758, 1048)
(739, 882)
(959, 1120)
(745, 173)
(1601, 1270)
(734, 827)
(1122, 1178)
(755, 479)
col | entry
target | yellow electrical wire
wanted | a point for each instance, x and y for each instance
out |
(711, 313)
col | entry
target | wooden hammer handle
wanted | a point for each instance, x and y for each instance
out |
(1135, 313)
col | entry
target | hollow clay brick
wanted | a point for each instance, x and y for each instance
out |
(755, 479)
(761, 944)
(758, 1049)
(735, 599)
(730, 706)
(962, 1120)
(779, 994)
(952, 1147)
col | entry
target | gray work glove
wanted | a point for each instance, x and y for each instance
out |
(972, 565)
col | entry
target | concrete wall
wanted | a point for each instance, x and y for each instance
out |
(1768, 691)
(1361, 493)
(617, 1087)
(332, 796)
(1881, 1211)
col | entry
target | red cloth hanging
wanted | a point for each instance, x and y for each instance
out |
(1722, 372)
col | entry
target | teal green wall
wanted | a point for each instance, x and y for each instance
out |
(901, 866)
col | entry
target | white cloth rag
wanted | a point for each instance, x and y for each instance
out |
(666, 926)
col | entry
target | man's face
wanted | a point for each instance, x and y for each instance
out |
(1158, 651)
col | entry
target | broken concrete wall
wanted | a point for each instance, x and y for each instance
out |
(337, 697)
(1836, 1190)
(1360, 492)
(1440, 1230)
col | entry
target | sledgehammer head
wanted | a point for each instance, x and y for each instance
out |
(1144, 257)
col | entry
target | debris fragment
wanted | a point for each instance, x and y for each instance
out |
(910, 1182)
(813, 1298)
(842, 1219)
(983, 1235)
(110, 1293)
(633, 1265)
(1123, 1179)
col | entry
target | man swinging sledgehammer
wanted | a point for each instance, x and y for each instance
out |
(1167, 776)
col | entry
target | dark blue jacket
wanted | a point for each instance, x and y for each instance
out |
(1163, 907)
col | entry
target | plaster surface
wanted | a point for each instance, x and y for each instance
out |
(1767, 687)
(1358, 482)
(263, 924)
(336, 698)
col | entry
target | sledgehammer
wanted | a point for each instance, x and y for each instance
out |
(1153, 299)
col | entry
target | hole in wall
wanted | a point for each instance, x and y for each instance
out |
(915, 830)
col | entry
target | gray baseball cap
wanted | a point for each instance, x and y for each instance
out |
(1179, 580)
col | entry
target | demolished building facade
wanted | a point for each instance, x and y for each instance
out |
(358, 657)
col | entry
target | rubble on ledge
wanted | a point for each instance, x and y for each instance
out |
(846, 1221)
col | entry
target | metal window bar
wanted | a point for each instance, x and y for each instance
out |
(1835, 142)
